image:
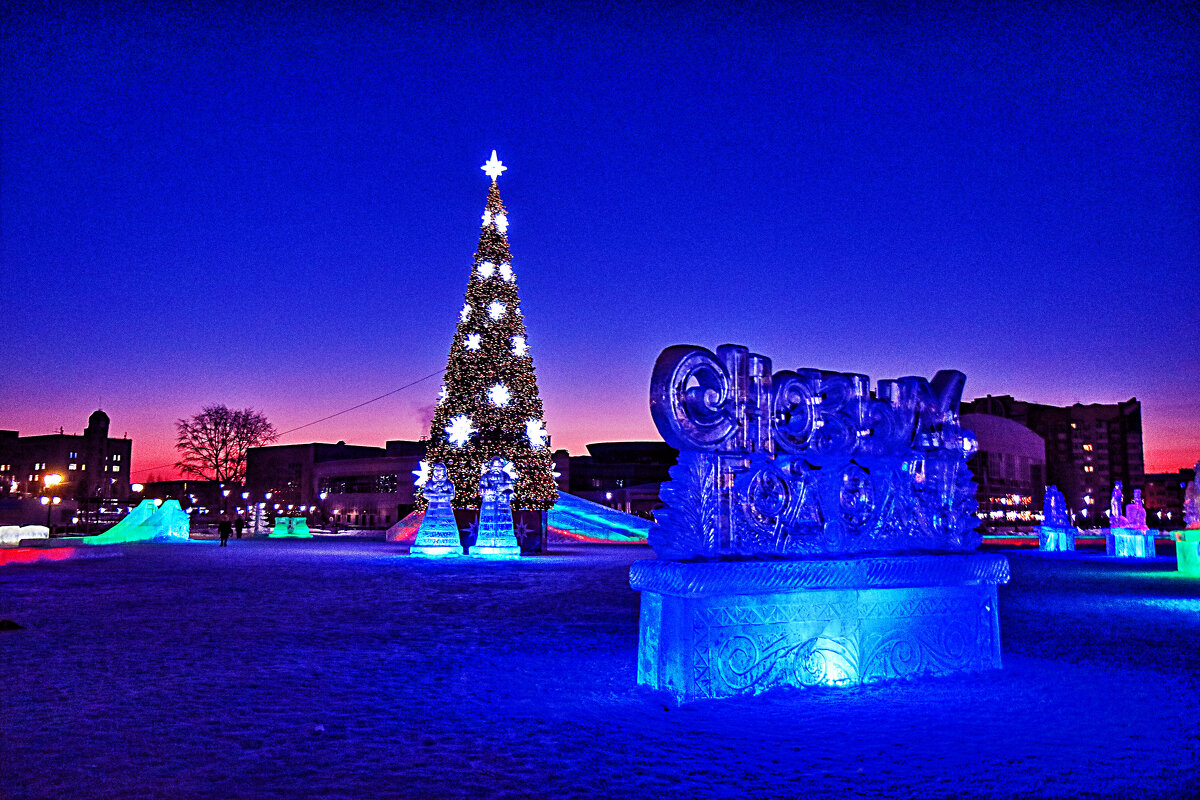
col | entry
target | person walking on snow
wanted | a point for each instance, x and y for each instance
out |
(224, 529)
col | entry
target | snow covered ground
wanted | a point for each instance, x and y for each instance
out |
(337, 669)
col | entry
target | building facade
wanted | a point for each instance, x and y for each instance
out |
(1009, 470)
(93, 467)
(623, 475)
(1163, 497)
(337, 484)
(1088, 448)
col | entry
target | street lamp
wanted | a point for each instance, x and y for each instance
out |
(49, 482)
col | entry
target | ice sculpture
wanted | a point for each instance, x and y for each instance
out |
(1128, 535)
(1115, 518)
(1056, 532)
(496, 537)
(1191, 502)
(13, 534)
(290, 527)
(438, 534)
(148, 523)
(1187, 541)
(815, 532)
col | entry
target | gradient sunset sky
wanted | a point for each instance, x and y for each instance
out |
(277, 208)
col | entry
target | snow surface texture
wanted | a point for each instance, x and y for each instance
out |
(302, 668)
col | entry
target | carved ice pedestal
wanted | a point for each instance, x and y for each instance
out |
(1129, 543)
(719, 629)
(1187, 552)
(1056, 539)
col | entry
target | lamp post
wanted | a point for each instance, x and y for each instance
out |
(49, 482)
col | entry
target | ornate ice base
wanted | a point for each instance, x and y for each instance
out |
(1129, 543)
(492, 550)
(1187, 551)
(718, 629)
(1056, 539)
(435, 550)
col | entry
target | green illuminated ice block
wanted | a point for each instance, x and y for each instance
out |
(148, 523)
(294, 527)
(1187, 551)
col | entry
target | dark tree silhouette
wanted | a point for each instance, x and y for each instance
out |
(212, 445)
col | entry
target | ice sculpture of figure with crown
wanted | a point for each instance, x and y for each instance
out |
(438, 534)
(816, 531)
(1128, 536)
(496, 537)
(1187, 541)
(1056, 532)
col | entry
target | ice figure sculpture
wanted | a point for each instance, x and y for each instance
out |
(496, 537)
(1115, 518)
(1128, 535)
(438, 534)
(148, 523)
(1191, 502)
(290, 527)
(815, 532)
(1056, 532)
(1187, 541)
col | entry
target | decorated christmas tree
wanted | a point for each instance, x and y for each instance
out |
(489, 404)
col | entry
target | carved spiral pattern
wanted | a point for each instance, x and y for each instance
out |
(690, 394)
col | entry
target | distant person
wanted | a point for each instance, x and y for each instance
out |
(239, 525)
(224, 529)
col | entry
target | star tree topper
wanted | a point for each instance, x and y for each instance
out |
(493, 168)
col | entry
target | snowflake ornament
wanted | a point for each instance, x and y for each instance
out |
(443, 394)
(422, 474)
(501, 221)
(535, 431)
(473, 341)
(499, 395)
(487, 218)
(494, 167)
(460, 430)
(519, 347)
(506, 272)
(487, 269)
(496, 309)
(465, 314)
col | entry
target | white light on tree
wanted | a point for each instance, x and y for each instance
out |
(499, 395)
(519, 347)
(493, 167)
(465, 314)
(496, 309)
(487, 269)
(460, 430)
(535, 430)
(506, 272)
(422, 474)
(443, 394)
(473, 341)
(487, 218)
(501, 221)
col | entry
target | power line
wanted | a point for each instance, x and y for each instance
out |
(331, 416)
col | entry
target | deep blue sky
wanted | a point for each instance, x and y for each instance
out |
(278, 208)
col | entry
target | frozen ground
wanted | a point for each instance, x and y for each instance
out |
(335, 669)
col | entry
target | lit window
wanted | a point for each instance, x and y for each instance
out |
(73, 466)
(83, 466)
(1087, 447)
(1089, 468)
(117, 457)
(116, 469)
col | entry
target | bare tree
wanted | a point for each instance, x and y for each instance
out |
(212, 445)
